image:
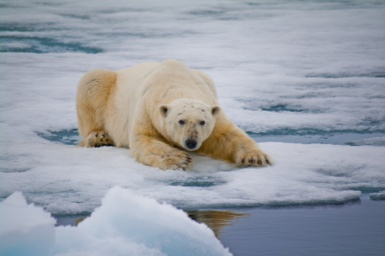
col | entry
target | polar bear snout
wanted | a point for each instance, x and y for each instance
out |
(191, 144)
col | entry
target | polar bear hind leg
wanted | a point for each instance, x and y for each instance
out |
(94, 91)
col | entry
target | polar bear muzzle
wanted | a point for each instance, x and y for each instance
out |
(191, 144)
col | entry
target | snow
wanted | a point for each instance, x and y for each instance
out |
(71, 180)
(306, 78)
(25, 229)
(125, 224)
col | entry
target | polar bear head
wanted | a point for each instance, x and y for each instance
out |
(189, 122)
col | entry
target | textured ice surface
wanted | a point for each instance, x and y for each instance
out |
(125, 224)
(25, 229)
(290, 73)
(69, 180)
(285, 72)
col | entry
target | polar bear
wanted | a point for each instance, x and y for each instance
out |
(161, 111)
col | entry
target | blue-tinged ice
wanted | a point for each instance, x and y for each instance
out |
(125, 224)
(305, 77)
(25, 228)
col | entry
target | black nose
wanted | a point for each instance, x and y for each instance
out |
(191, 144)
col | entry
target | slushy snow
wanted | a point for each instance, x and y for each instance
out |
(125, 224)
(287, 72)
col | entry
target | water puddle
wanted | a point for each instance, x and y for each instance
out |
(66, 136)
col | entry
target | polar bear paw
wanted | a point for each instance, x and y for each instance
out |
(175, 160)
(254, 157)
(98, 139)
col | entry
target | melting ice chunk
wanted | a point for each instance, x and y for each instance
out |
(125, 224)
(25, 229)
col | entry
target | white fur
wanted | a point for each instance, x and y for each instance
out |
(160, 111)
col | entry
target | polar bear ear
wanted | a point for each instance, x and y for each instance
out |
(215, 110)
(164, 110)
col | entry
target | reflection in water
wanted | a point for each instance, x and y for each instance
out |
(215, 220)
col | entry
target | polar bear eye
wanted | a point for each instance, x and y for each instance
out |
(181, 122)
(202, 123)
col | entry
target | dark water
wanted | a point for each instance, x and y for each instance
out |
(357, 228)
(67, 136)
(307, 136)
(354, 229)
(351, 229)
(304, 136)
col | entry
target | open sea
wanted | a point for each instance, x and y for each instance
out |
(305, 79)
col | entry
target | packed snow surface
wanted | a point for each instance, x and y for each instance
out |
(305, 78)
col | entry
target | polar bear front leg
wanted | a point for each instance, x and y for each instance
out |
(97, 139)
(154, 152)
(229, 143)
(246, 152)
(251, 156)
